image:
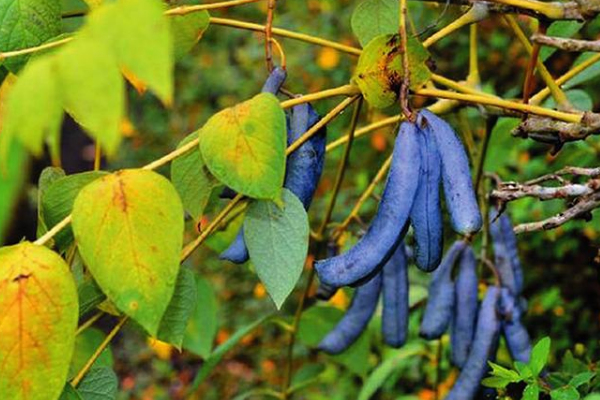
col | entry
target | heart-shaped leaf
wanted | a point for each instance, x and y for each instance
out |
(277, 240)
(38, 319)
(244, 146)
(129, 229)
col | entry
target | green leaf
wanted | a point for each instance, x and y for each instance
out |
(58, 199)
(318, 321)
(174, 322)
(372, 18)
(13, 176)
(380, 374)
(496, 382)
(138, 35)
(523, 370)
(33, 110)
(129, 229)
(90, 296)
(277, 241)
(69, 393)
(27, 23)
(582, 379)
(564, 29)
(590, 73)
(592, 396)
(191, 178)
(38, 306)
(92, 90)
(565, 393)
(578, 98)
(500, 371)
(216, 356)
(86, 344)
(188, 30)
(48, 176)
(379, 71)
(99, 384)
(539, 356)
(244, 146)
(531, 392)
(203, 325)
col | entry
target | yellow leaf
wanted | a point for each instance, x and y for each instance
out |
(38, 319)
(162, 350)
(94, 3)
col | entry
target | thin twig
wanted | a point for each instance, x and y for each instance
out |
(268, 35)
(567, 44)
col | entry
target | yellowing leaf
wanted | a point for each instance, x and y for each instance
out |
(129, 229)
(38, 318)
(138, 35)
(244, 146)
(187, 30)
(94, 3)
(93, 92)
(379, 71)
(33, 107)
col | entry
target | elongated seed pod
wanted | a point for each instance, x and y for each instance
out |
(237, 252)
(440, 304)
(517, 337)
(502, 259)
(356, 318)
(373, 250)
(484, 344)
(274, 81)
(426, 212)
(465, 313)
(394, 324)
(512, 248)
(456, 176)
(324, 291)
(305, 165)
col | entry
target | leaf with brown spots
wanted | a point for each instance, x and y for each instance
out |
(38, 319)
(244, 147)
(379, 70)
(129, 229)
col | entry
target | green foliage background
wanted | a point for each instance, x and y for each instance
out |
(226, 67)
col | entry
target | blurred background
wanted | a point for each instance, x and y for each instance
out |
(562, 282)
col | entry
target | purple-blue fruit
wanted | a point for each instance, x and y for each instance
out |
(356, 318)
(426, 212)
(502, 259)
(517, 337)
(482, 350)
(440, 304)
(387, 228)
(461, 200)
(394, 325)
(465, 310)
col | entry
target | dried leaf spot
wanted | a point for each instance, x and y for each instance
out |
(20, 277)
(133, 305)
(119, 198)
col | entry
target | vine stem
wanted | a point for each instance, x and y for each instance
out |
(547, 9)
(81, 374)
(501, 103)
(473, 77)
(29, 50)
(268, 35)
(287, 33)
(381, 173)
(183, 10)
(341, 169)
(438, 107)
(476, 13)
(555, 90)
(89, 322)
(576, 70)
(345, 90)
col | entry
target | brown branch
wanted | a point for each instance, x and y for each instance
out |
(509, 191)
(579, 210)
(567, 44)
(548, 130)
